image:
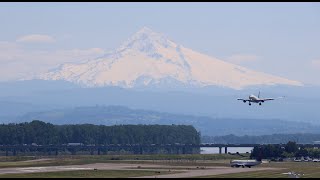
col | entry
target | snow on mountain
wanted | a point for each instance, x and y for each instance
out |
(150, 58)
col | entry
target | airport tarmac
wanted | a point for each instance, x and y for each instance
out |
(208, 172)
(182, 171)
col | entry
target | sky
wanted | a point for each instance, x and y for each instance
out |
(277, 38)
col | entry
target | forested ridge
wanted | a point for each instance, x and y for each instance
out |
(43, 133)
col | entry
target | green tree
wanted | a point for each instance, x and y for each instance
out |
(291, 147)
(301, 152)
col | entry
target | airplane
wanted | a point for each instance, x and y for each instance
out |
(255, 99)
(244, 163)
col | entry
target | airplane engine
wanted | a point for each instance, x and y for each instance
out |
(244, 101)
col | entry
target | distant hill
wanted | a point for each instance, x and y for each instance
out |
(114, 115)
(300, 103)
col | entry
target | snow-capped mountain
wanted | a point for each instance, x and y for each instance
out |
(150, 58)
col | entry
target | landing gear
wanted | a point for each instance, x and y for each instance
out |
(244, 101)
(260, 104)
(249, 104)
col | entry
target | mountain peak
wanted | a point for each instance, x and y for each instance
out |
(145, 30)
(147, 40)
(150, 58)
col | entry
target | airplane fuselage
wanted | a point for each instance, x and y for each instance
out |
(255, 99)
(244, 163)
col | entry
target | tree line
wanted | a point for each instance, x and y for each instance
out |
(43, 133)
(289, 150)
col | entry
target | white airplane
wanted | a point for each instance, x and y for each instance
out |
(244, 163)
(255, 99)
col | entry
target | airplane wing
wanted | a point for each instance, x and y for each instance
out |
(243, 99)
(268, 99)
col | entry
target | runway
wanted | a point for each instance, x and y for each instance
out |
(182, 171)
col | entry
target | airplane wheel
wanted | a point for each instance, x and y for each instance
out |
(260, 104)
(242, 166)
(249, 104)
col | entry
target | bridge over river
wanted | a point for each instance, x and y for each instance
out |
(135, 148)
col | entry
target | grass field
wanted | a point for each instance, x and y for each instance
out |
(86, 174)
(16, 158)
(189, 159)
(309, 169)
(256, 174)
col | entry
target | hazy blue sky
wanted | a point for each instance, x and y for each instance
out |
(278, 38)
